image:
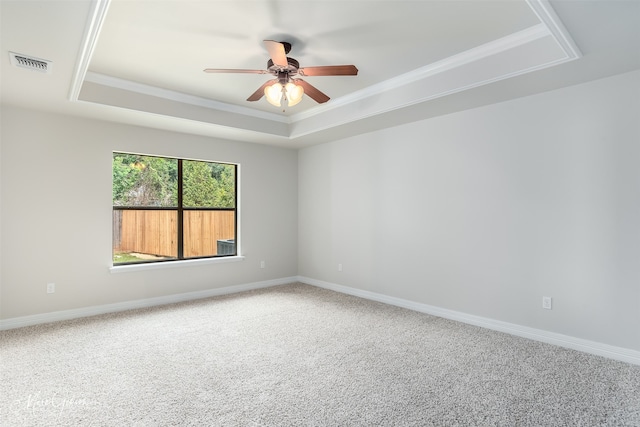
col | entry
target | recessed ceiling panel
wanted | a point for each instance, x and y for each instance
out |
(167, 44)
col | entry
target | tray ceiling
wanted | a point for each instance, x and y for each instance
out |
(142, 62)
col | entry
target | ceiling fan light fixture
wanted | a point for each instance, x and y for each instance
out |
(283, 68)
(294, 93)
(273, 94)
(290, 92)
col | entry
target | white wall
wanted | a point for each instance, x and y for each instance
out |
(485, 211)
(482, 212)
(56, 213)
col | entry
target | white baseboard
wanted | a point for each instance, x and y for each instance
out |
(592, 347)
(19, 322)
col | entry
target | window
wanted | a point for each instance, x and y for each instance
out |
(167, 209)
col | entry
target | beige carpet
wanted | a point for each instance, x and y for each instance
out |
(296, 355)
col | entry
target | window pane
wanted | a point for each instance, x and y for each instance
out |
(208, 185)
(149, 224)
(144, 181)
(208, 233)
(144, 235)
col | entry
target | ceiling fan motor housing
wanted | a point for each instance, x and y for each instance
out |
(292, 67)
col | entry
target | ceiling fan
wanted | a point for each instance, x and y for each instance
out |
(285, 86)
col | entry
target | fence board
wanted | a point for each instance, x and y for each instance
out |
(117, 229)
(155, 232)
(203, 229)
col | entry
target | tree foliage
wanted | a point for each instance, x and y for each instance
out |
(153, 181)
(198, 185)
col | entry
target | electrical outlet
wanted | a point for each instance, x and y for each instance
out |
(262, 264)
(339, 267)
(51, 288)
(546, 303)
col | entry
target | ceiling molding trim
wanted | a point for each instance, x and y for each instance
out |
(545, 13)
(418, 100)
(295, 136)
(122, 99)
(511, 41)
(550, 26)
(92, 31)
(170, 123)
(180, 97)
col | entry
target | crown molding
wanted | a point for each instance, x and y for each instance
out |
(550, 25)
(540, 46)
(548, 16)
(82, 74)
(92, 31)
(180, 97)
(500, 45)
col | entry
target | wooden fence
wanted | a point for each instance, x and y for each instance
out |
(203, 229)
(155, 232)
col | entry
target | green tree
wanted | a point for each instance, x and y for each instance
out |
(225, 193)
(152, 181)
(144, 180)
(199, 187)
(125, 177)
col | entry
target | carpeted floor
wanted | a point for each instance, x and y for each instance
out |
(296, 355)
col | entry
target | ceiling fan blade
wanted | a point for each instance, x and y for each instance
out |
(329, 70)
(260, 92)
(313, 93)
(276, 52)
(223, 70)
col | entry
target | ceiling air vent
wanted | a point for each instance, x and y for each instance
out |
(31, 63)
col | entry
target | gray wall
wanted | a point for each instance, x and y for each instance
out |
(482, 212)
(485, 211)
(56, 213)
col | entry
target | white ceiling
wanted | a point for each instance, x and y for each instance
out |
(141, 61)
(175, 40)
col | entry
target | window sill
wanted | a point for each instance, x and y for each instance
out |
(173, 264)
